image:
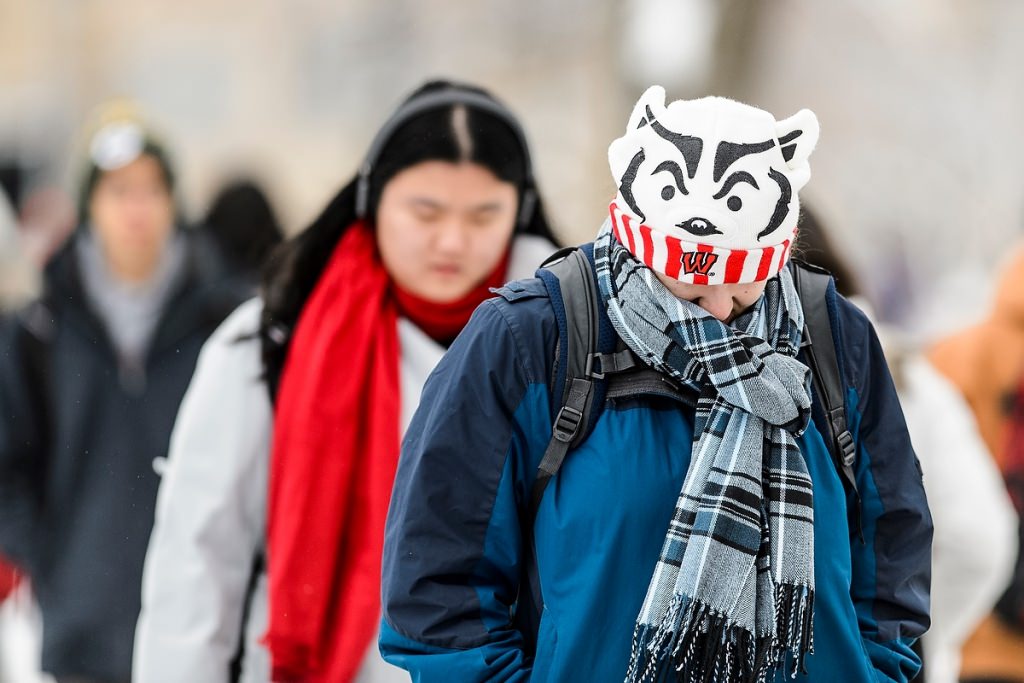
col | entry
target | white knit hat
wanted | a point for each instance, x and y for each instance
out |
(708, 188)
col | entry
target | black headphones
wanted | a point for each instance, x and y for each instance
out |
(437, 100)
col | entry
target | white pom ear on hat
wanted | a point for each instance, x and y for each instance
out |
(798, 136)
(620, 154)
(653, 97)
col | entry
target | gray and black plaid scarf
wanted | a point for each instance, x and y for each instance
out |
(732, 596)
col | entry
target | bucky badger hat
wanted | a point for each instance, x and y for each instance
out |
(708, 188)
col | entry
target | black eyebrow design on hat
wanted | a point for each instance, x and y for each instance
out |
(673, 168)
(626, 183)
(730, 152)
(737, 177)
(788, 150)
(782, 206)
(690, 147)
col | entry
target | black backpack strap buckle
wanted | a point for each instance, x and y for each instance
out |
(848, 448)
(601, 364)
(567, 424)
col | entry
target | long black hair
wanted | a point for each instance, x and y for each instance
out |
(814, 246)
(453, 133)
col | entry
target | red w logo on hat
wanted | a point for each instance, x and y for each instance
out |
(698, 262)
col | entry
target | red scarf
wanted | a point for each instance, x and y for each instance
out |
(443, 322)
(8, 579)
(334, 453)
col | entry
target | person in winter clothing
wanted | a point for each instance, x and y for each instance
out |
(90, 381)
(975, 522)
(270, 520)
(986, 363)
(769, 565)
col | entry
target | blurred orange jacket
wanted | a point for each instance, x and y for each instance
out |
(986, 362)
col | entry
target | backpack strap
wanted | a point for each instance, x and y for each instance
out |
(585, 356)
(572, 288)
(813, 284)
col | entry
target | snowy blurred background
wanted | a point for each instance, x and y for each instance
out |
(917, 174)
(916, 178)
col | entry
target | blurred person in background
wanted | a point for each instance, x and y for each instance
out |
(814, 246)
(986, 364)
(975, 540)
(244, 226)
(989, 379)
(90, 382)
(270, 519)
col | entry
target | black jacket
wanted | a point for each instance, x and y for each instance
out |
(78, 441)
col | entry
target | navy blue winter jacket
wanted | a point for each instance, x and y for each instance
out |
(454, 558)
(78, 440)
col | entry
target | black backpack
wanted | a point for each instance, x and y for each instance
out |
(592, 364)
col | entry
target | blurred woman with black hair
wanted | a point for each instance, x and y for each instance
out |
(288, 439)
(243, 224)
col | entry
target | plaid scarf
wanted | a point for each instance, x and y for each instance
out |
(732, 595)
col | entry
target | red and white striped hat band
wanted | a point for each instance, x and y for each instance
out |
(694, 262)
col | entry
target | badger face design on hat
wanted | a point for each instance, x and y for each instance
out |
(707, 188)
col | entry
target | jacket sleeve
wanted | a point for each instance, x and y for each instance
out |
(891, 545)
(453, 545)
(22, 447)
(209, 525)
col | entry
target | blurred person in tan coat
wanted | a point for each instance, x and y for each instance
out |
(986, 362)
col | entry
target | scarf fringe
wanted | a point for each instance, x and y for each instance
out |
(701, 645)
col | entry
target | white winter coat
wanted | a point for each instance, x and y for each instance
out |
(211, 509)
